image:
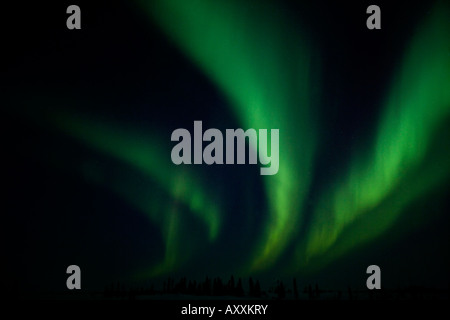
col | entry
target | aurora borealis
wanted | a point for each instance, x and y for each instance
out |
(358, 169)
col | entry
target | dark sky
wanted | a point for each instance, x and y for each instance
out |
(121, 66)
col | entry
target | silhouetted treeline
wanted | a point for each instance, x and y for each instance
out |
(232, 288)
(208, 287)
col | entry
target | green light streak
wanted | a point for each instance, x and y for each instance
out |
(380, 186)
(146, 154)
(252, 53)
(265, 69)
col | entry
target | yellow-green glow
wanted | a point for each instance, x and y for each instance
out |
(380, 185)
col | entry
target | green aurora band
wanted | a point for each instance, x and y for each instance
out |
(265, 69)
(145, 163)
(145, 153)
(398, 169)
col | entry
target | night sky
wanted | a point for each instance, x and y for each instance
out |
(363, 116)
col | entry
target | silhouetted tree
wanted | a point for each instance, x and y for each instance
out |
(218, 289)
(280, 290)
(295, 288)
(239, 290)
(191, 287)
(183, 286)
(257, 289)
(310, 292)
(170, 285)
(251, 286)
(230, 286)
(207, 287)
